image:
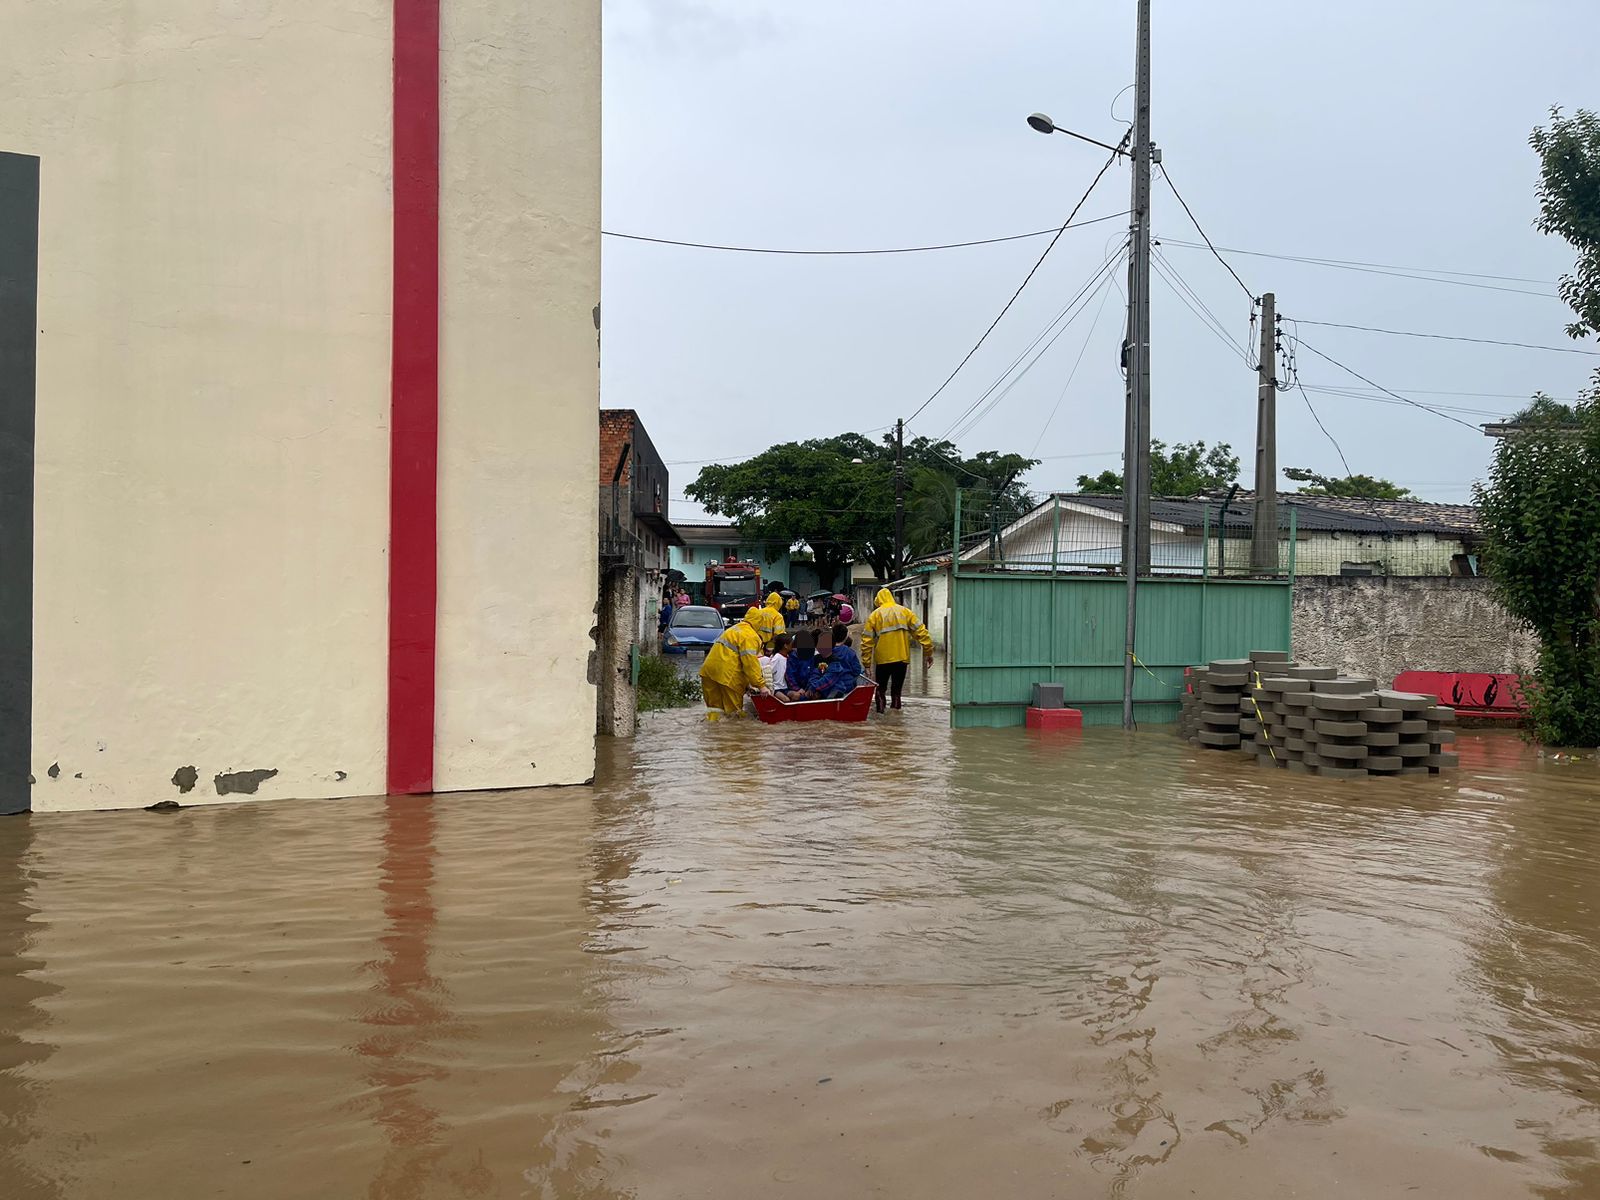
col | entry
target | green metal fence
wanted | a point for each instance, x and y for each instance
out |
(1021, 622)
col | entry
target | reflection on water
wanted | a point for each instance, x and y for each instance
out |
(821, 960)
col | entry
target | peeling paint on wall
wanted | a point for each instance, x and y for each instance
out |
(184, 779)
(55, 771)
(243, 783)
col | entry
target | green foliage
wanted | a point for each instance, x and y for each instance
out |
(1569, 206)
(1186, 470)
(815, 493)
(663, 685)
(1358, 487)
(1540, 512)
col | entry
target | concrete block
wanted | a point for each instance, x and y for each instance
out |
(1340, 753)
(1382, 716)
(1342, 772)
(1222, 739)
(1217, 698)
(1248, 726)
(1342, 729)
(1220, 679)
(1343, 706)
(1413, 750)
(1298, 700)
(1440, 737)
(1409, 702)
(1411, 728)
(1298, 720)
(1381, 737)
(1311, 672)
(1417, 770)
(1384, 762)
(1443, 761)
(1299, 766)
(1284, 684)
(1439, 713)
(1295, 744)
(1220, 720)
(1269, 656)
(1235, 666)
(1343, 686)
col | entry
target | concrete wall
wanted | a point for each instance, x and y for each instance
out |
(1379, 627)
(214, 348)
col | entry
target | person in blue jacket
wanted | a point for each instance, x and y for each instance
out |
(803, 673)
(843, 670)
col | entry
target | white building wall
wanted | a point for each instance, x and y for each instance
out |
(519, 392)
(215, 291)
(211, 494)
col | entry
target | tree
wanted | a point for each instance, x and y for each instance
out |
(1540, 513)
(818, 494)
(1569, 206)
(1186, 470)
(1357, 487)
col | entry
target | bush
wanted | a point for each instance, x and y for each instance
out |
(662, 685)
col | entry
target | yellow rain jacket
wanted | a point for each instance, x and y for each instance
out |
(734, 660)
(768, 619)
(886, 636)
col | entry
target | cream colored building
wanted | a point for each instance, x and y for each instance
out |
(313, 398)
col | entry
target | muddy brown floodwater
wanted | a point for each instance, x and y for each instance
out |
(820, 962)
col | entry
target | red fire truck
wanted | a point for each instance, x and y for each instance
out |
(732, 587)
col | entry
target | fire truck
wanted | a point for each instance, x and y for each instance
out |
(732, 587)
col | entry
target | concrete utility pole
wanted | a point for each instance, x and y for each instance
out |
(1264, 542)
(1136, 443)
(899, 498)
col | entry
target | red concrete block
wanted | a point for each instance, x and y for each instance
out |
(1055, 718)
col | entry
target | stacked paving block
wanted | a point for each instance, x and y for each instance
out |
(1211, 706)
(1312, 719)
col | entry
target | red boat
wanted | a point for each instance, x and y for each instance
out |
(853, 707)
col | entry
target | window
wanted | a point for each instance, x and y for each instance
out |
(688, 556)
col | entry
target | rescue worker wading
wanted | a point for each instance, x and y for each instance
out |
(768, 620)
(733, 666)
(886, 643)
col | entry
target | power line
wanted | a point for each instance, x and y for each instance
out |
(1420, 272)
(1105, 294)
(967, 421)
(1099, 175)
(1351, 393)
(1351, 370)
(1209, 245)
(1209, 319)
(1324, 428)
(1012, 237)
(733, 458)
(1449, 337)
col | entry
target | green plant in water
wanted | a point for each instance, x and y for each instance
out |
(662, 685)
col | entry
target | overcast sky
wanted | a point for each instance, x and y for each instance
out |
(1385, 133)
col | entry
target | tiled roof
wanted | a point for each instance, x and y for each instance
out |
(1312, 513)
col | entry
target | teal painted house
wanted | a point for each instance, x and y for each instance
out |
(709, 543)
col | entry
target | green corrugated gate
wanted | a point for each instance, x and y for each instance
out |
(1010, 630)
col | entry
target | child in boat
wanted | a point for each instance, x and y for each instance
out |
(776, 664)
(802, 672)
(844, 667)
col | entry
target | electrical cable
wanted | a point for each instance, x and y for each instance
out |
(1352, 371)
(1358, 264)
(1161, 271)
(964, 424)
(1013, 237)
(1093, 183)
(1105, 294)
(1206, 236)
(1309, 408)
(1449, 337)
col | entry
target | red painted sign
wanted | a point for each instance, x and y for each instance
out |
(1473, 693)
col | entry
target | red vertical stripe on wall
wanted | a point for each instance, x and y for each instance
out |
(414, 397)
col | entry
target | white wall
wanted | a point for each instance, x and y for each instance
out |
(213, 390)
(520, 392)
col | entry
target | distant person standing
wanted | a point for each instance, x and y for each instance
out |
(886, 643)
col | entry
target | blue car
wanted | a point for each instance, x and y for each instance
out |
(694, 627)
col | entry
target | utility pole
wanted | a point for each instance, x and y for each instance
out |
(899, 498)
(1136, 443)
(1264, 541)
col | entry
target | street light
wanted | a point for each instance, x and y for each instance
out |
(1040, 123)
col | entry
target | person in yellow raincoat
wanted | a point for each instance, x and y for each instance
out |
(886, 644)
(768, 619)
(733, 665)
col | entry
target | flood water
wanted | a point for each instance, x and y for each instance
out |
(820, 962)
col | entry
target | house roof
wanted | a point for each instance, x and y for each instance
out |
(1313, 514)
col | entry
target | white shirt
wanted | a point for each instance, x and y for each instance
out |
(776, 667)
